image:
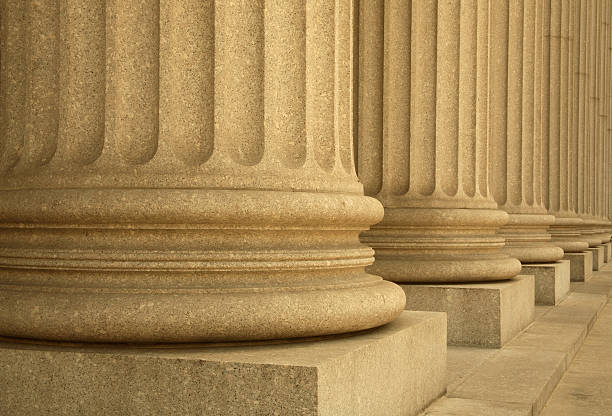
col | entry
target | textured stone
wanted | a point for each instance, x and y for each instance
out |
(552, 281)
(580, 308)
(397, 369)
(581, 266)
(586, 388)
(479, 314)
(182, 173)
(463, 361)
(466, 407)
(515, 375)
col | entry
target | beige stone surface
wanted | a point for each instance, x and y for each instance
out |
(467, 407)
(552, 281)
(464, 361)
(397, 369)
(581, 265)
(479, 314)
(553, 336)
(525, 371)
(515, 375)
(579, 308)
(586, 388)
(600, 283)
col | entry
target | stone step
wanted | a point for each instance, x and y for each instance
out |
(518, 378)
(586, 388)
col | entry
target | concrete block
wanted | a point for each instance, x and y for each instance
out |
(479, 314)
(397, 369)
(581, 265)
(598, 257)
(607, 252)
(552, 281)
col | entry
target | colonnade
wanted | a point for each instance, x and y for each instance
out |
(205, 172)
(480, 122)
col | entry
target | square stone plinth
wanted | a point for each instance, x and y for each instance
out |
(598, 256)
(397, 369)
(552, 281)
(479, 314)
(581, 265)
(607, 252)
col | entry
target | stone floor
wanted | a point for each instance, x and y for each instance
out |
(560, 365)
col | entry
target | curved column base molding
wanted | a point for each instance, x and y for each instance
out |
(165, 266)
(440, 245)
(566, 234)
(527, 238)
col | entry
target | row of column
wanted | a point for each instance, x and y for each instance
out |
(481, 122)
(184, 171)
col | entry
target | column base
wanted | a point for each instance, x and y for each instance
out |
(552, 281)
(397, 369)
(581, 265)
(598, 256)
(479, 314)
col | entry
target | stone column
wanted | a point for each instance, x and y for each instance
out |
(584, 133)
(182, 171)
(515, 147)
(422, 147)
(562, 141)
(423, 152)
(601, 212)
(592, 115)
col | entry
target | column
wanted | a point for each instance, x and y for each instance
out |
(584, 133)
(182, 172)
(601, 212)
(423, 151)
(592, 124)
(563, 162)
(515, 146)
(422, 147)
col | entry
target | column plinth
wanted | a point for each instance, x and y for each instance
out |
(182, 174)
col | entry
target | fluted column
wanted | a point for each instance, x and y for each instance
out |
(584, 103)
(592, 231)
(601, 146)
(182, 171)
(562, 142)
(422, 150)
(515, 146)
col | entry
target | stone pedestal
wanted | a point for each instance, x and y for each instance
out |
(607, 252)
(552, 281)
(598, 256)
(479, 314)
(348, 375)
(581, 265)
